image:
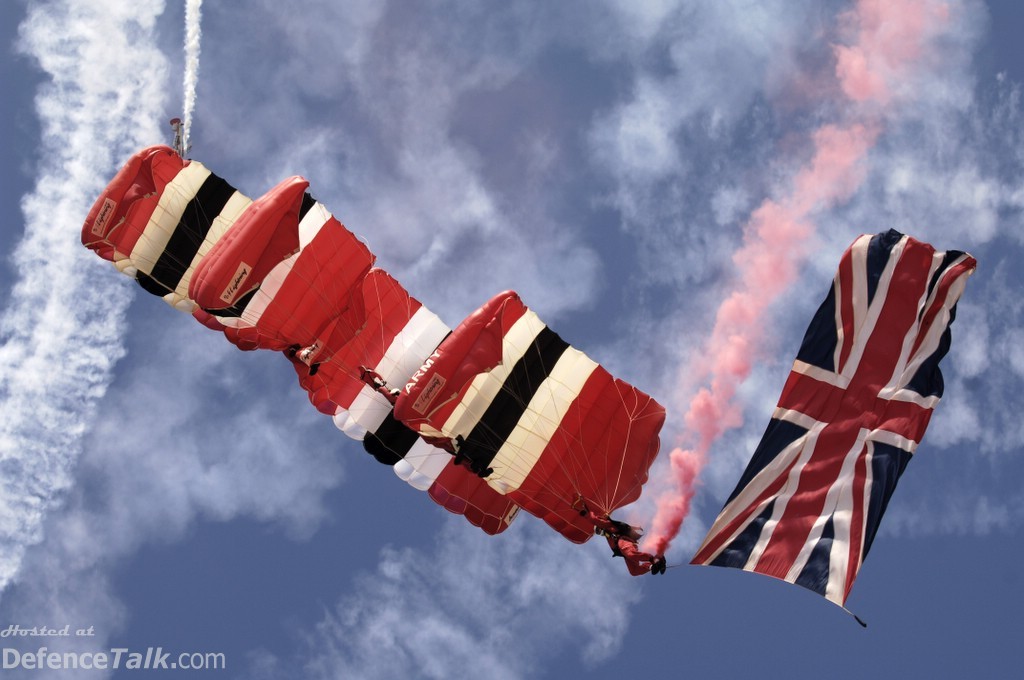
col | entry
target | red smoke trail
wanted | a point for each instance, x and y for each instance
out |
(890, 37)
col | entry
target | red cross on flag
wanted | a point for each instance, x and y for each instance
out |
(851, 414)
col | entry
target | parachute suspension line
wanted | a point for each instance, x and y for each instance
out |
(580, 468)
(161, 229)
(191, 79)
(376, 340)
(624, 486)
(365, 342)
(542, 420)
(334, 293)
(586, 467)
(334, 290)
(575, 468)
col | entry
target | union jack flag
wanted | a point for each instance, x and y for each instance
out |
(851, 414)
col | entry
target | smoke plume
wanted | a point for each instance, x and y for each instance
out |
(61, 333)
(193, 34)
(889, 40)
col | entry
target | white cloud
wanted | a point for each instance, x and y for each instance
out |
(972, 338)
(472, 606)
(377, 137)
(951, 167)
(959, 513)
(642, 22)
(61, 329)
(193, 430)
(948, 169)
(209, 431)
(639, 137)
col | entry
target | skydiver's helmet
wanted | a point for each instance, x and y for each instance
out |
(627, 530)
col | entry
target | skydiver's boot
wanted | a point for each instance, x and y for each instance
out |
(460, 457)
(480, 470)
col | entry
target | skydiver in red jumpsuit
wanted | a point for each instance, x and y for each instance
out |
(622, 539)
(373, 379)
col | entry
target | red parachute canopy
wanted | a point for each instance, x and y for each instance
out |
(157, 219)
(161, 216)
(289, 276)
(537, 418)
(286, 273)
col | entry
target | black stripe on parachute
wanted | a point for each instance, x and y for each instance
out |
(188, 236)
(504, 412)
(391, 441)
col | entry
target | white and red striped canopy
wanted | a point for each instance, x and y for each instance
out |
(541, 421)
(282, 273)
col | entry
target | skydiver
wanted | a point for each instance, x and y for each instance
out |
(374, 380)
(464, 457)
(299, 354)
(622, 539)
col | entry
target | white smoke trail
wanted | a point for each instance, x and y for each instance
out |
(193, 34)
(60, 330)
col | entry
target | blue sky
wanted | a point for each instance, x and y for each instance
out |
(600, 158)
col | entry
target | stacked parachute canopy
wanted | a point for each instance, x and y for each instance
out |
(158, 217)
(282, 273)
(289, 276)
(535, 417)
